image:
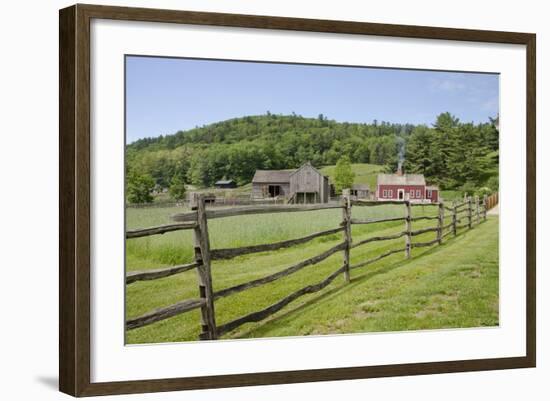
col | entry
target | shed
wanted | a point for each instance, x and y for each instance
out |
(225, 184)
(271, 183)
(360, 191)
(432, 193)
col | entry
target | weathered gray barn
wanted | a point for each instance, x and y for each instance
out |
(304, 185)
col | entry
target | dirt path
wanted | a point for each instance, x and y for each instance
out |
(494, 211)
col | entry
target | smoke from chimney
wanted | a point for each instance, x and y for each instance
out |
(400, 154)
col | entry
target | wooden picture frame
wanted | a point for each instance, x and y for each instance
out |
(74, 203)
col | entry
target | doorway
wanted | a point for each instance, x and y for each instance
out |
(274, 190)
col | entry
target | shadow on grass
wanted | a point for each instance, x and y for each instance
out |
(355, 281)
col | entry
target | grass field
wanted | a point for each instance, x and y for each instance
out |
(364, 173)
(455, 285)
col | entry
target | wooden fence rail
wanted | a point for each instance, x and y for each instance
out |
(266, 312)
(230, 253)
(374, 221)
(154, 274)
(283, 273)
(463, 215)
(144, 232)
(246, 210)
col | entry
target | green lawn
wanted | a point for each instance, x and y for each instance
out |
(451, 195)
(364, 173)
(455, 285)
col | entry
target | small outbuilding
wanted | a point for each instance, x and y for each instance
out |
(432, 194)
(360, 191)
(225, 184)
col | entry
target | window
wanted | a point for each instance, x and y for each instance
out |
(385, 193)
(411, 194)
(390, 193)
(429, 193)
(418, 193)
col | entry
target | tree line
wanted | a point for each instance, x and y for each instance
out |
(450, 154)
(455, 155)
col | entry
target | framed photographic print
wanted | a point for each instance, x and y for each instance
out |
(250, 200)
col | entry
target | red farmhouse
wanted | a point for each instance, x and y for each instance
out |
(405, 187)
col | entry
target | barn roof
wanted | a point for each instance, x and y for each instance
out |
(307, 164)
(360, 187)
(405, 179)
(280, 176)
(224, 182)
(277, 176)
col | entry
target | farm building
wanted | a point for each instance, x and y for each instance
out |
(304, 185)
(401, 186)
(193, 196)
(360, 191)
(225, 184)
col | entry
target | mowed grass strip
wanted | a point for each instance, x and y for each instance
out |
(144, 296)
(451, 286)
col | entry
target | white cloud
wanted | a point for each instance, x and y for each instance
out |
(447, 85)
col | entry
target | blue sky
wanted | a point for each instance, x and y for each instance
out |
(165, 95)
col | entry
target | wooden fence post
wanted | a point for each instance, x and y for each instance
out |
(454, 219)
(469, 212)
(440, 220)
(484, 207)
(477, 209)
(346, 217)
(408, 229)
(202, 256)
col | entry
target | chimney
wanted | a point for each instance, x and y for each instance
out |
(399, 168)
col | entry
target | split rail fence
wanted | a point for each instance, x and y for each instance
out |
(463, 215)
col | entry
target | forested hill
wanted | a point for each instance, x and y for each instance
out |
(273, 127)
(449, 153)
(236, 148)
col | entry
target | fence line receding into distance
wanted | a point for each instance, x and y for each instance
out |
(463, 215)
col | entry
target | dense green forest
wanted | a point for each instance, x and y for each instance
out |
(450, 153)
